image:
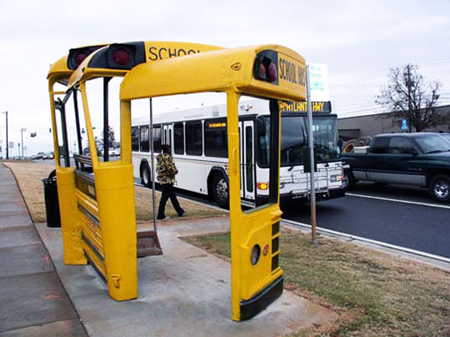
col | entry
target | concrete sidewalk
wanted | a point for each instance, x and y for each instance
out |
(33, 301)
(185, 292)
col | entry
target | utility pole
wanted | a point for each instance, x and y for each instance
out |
(409, 97)
(21, 131)
(311, 159)
(7, 141)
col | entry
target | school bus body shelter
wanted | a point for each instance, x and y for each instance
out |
(97, 208)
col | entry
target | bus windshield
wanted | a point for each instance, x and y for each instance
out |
(294, 131)
(325, 134)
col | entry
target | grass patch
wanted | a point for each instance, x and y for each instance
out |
(375, 294)
(29, 175)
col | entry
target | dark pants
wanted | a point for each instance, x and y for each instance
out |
(168, 191)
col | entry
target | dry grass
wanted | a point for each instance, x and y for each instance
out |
(29, 177)
(375, 294)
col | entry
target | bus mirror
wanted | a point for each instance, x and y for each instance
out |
(77, 56)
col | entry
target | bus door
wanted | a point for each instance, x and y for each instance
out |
(248, 161)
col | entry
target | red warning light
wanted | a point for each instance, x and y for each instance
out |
(266, 67)
(79, 57)
(273, 76)
(121, 56)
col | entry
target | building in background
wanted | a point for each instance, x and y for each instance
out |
(370, 125)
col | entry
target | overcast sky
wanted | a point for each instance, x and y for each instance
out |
(358, 40)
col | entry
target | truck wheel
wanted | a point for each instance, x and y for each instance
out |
(220, 190)
(349, 180)
(145, 175)
(439, 188)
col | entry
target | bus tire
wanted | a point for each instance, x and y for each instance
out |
(146, 177)
(220, 192)
(439, 188)
(349, 180)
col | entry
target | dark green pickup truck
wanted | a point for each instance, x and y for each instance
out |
(418, 159)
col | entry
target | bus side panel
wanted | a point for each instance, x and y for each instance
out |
(136, 160)
(192, 175)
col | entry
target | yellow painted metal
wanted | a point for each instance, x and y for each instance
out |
(112, 246)
(115, 196)
(162, 50)
(229, 71)
(105, 228)
(218, 70)
(70, 226)
(247, 229)
(114, 190)
(154, 51)
(59, 72)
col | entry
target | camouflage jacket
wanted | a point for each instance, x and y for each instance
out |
(165, 169)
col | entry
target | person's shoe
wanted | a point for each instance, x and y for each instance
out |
(182, 213)
(165, 218)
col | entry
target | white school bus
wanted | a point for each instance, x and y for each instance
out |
(198, 138)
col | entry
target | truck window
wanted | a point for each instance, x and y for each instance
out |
(400, 145)
(380, 145)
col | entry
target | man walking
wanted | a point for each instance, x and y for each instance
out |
(166, 171)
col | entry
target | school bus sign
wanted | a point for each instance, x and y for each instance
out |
(280, 69)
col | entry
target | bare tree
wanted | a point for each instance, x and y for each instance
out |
(408, 96)
(111, 137)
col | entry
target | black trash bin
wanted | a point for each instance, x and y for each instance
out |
(51, 200)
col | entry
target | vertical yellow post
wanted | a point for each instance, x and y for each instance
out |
(115, 195)
(256, 280)
(235, 200)
(114, 186)
(65, 177)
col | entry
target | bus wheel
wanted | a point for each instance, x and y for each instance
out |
(220, 190)
(145, 175)
(439, 188)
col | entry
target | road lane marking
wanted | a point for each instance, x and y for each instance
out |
(396, 200)
(374, 242)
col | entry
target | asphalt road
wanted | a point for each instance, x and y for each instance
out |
(396, 215)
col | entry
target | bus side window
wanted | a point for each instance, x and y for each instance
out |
(144, 139)
(216, 140)
(157, 138)
(135, 138)
(178, 138)
(263, 141)
(194, 138)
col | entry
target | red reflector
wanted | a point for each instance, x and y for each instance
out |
(79, 58)
(262, 70)
(273, 76)
(121, 56)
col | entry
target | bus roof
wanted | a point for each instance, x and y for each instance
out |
(219, 71)
(117, 59)
(246, 107)
(59, 72)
